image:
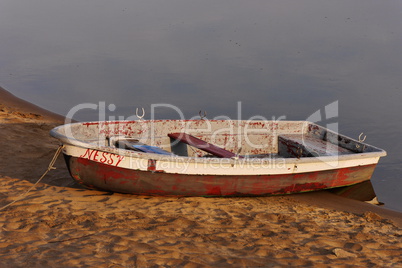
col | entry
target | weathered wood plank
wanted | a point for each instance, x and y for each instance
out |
(202, 145)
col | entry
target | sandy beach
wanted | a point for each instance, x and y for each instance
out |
(61, 224)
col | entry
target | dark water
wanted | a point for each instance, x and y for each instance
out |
(286, 59)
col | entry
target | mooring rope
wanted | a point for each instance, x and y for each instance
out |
(50, 167)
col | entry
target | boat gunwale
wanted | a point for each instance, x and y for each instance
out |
(55, 132)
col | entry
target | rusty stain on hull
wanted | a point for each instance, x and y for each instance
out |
(108, 178)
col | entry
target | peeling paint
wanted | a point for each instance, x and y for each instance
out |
(270, 165)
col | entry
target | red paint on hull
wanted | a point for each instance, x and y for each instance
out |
(110, 178)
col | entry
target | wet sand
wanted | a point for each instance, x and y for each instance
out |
(60, 224)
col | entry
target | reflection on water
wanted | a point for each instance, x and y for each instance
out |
(278, 58)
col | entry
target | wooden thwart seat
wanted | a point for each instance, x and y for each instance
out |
(295, 145)
(202, 145)
(135, 145)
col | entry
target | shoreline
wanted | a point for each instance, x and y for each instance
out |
(63, 223)
(15, 105)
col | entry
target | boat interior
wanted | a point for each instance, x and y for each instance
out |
(218, 138)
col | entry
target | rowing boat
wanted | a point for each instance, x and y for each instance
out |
(213, 157)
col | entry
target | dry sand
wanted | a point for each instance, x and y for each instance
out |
(60, 224)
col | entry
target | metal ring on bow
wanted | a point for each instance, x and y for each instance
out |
(360, 137)
(140, 116)
(202, 116)
(361, 140)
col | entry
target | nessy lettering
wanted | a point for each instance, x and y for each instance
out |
(103, 157)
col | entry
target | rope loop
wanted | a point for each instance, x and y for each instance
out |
(50, 167)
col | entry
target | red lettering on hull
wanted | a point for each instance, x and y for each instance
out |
(103, 157)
